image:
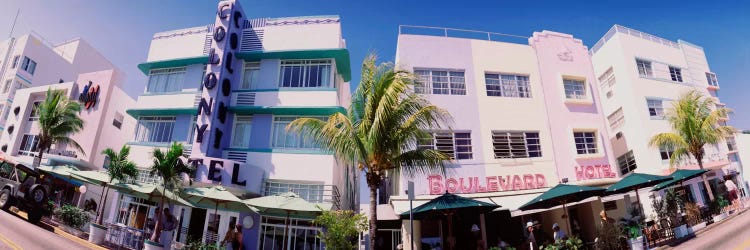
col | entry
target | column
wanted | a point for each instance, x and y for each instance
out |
(406, 236)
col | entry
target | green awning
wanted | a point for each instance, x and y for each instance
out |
(98, 178)
(249, 110)
(162, 111)
(679, 176)
(436, 208)
(287, 204)
(62, 171)
(635, 181)
(562, 194)
(343, 64)
(149, 192)
(148, 66)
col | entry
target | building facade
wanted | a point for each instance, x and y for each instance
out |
(640, 75)
(227, 91)
(526, 116)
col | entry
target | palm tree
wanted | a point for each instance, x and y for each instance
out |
(168, 165)
(119, 168)
(695, 122)
(380, 131)
(58, 118)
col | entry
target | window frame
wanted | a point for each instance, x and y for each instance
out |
(454, 81)
(29, 150)
(712, 80)
(274, 138)
(246, 120)
(155, 119)
(34, 114)
(250, 66)
(645, 67)
(585, 135)
(457, 151)
(15, 61)
(619, 121)
(658, 109)
(305, 65)
(628, 158)
(528, 139)
(168, 73)
(675, 73)
(573, 82)
(517, 87)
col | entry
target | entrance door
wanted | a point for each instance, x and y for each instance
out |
(197, 220)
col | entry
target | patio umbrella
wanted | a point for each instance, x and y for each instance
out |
(149, 192)
(635, 181)
(678, 177)
(286, 204)
(446, 205)
(215, 197)
(98, 178)
(561, 195)
(62, 172)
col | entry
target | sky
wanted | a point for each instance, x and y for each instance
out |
(122, 30)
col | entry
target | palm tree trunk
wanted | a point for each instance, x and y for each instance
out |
(38, 159)
(705, 180)
(102, 205)
(158, 218)
(373, 215)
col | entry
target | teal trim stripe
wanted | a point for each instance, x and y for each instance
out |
(249, 110)
(285, 90)
(282, 151)
(163, 111)
(343, 64)
(23, 78)
(148, 66)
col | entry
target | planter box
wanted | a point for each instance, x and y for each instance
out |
(636, 244)
(97, 233)
(720, 217)
(697, 227)
(71, 230)
(680, 231)
(150, 245)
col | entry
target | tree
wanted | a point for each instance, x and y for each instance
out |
(341, 228)
(695, 122)
(58, 118)
(119, 168)
(380, 131)
(168, 165)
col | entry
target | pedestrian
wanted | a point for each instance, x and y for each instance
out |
(534, 237)
(732, 189)
(167, 224)
(476, 232)
(237, 242)
(558, 234)
(228, 238)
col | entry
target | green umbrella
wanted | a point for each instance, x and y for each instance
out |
(678, 177)
(149, 192)
(635, 181)
(215, 197)
(446, 205)
(98, 178)
(561, 195)
(286, 203)
(61, 171)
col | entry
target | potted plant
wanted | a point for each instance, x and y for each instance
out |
(73, 219)
(719, 204)
(631, 228)
(169, 166)
(693, 213)
(673, 205)
(119, 168)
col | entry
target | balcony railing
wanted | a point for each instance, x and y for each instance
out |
(460, 33)
(311, 192)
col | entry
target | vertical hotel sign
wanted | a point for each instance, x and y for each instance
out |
(213, 126)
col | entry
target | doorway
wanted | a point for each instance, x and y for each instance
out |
(197, 220)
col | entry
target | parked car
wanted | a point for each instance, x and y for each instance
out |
(24, 188)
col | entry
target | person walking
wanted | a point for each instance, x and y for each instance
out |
(229, 238)
(237, 243)
(167, 225)
(732, 190)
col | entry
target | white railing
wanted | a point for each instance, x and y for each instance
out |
(625, 30)
(456, 33)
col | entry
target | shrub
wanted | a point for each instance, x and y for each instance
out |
(72, 216)
(341, 228)
(693, 212)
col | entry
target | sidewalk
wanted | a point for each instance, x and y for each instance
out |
(58, 231)
(676, 245)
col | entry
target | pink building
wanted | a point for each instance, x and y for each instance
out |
(526, 117)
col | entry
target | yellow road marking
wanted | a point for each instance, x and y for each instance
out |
(9, 243)
(744, 245)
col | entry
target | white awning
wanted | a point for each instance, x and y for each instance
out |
(385, 212)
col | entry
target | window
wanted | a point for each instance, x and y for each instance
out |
(574, 89)
(440, 82)
(303, 234)
(516, 144)
(655, 109)
(455, 145)
(644, 68)
(675, 73)
(305, 74)
(731, 144)
(666, 153)
(626, 162)
(28, 65)
(145, 176)
(155, 129)
(608, 78)
(15, 62)
(507, 85)
(241, 131)
(29, 145)
(616, 119)
(134, 211)
(711, 78)
(117, 122)
(7, 86)
(585, 142)
(310, 191)
(192, 130)
(251, 75)
(166, 80)
(289, 139)
(34, 111)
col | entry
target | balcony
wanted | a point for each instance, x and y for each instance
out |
(286, 97)
(174, 104)
(311, 192)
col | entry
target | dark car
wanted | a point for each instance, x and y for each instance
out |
(24, 188)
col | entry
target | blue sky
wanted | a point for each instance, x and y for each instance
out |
(121, 30)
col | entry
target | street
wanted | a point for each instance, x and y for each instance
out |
(16, 233)
(731, 235)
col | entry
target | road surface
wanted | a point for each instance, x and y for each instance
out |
(730, 235)
(16, 233)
